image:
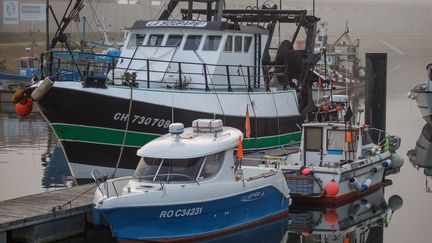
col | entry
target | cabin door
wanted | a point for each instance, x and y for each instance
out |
(313, 142)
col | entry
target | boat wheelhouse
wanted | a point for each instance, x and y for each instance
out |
(180, 70)
(189, 185)
(422, 93)
(338, 163)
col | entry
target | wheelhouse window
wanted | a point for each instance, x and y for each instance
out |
(32, 64)
(155, 40)
(247, 43)
(336, 140)
(168, 170)
(23, 64)
(212, 43)
(135, 40)
(228, 44)
(238, 43)
(178, 170)
(211, 166)
(192, 43)
(174, 40)
(313, 138)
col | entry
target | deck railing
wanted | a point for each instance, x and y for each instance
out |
(118, 70)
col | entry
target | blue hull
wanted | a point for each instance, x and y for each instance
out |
(197, 220)
(13, 77)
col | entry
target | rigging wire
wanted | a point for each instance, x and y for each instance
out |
(95, 18)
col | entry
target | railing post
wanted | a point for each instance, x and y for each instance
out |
(228, 78)
(148, 73)
(249, 80)
(113, 68)
(205, 77)
(180, 76)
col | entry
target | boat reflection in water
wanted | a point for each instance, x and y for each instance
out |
(360, 221)
(421, 155)
(272, 232)
(57, 172)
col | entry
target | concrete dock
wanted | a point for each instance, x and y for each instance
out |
(46, 216)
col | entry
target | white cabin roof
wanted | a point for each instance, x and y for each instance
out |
(191, 144)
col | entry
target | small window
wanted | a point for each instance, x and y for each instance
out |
(212, 43)
(174, 40)
(31, 64)
(336, 140)
(155, 40)
(238, 43)
(135, 40)
(212, 165)
(192, 42)
(23, 64)
(228, 44)
(313, 139)
(247, 42)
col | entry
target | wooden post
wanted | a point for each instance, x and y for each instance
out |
(376, 91)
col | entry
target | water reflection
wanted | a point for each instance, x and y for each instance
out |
(363, 220)
(26, 146)
(421, 155)
(57, 172)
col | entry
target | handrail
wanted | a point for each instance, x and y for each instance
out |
(91, 65)
(115, 180)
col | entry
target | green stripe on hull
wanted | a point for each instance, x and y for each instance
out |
(135, 139)
(101, 135)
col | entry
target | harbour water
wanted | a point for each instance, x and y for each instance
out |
(30, 161)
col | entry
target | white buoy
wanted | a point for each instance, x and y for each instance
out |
(42, 89)
(355, 183)
(366, 184)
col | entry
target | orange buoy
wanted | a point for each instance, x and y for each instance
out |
(24, 107)
(348, 137)
(332, 189)
(325, 107)
(331, 217)
(347, 239)
(306, 171)
(339, 108)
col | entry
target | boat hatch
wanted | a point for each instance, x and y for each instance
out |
(179, 170)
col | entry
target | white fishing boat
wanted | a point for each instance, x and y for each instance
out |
(422, 94)
(212, 62)
(338, 162)
(188, 185)
(421, 155)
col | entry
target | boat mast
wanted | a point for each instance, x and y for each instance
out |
(47, 24)
(217, 15)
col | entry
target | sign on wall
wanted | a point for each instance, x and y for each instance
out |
(32, 12)
(10, 12)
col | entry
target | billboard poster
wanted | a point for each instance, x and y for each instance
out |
(32, 12)
(10, 12)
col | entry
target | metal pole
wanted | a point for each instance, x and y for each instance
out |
(47, 25)
(313, 7)
(279, 27)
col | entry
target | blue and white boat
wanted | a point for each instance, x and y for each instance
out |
(189, 185)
